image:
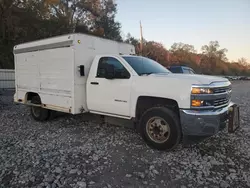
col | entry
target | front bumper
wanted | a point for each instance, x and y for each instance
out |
(203, 123)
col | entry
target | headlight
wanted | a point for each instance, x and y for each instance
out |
(196, 90)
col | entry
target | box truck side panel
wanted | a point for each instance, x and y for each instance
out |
(48, 73)
(27, 72)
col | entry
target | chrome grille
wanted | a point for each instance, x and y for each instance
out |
(221, 102)
(222, 89)
(218, 98)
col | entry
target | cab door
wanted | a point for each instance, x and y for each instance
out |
(110, 95)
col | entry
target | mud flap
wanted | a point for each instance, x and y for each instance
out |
(234, 118)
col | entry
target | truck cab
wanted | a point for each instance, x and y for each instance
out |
(85, 74)
(138, 88)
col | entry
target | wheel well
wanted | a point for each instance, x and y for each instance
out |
(146, 102)
(30, 95)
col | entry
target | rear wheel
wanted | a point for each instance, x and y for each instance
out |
(38, 113)
(160, 128)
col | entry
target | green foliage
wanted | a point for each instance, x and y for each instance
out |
(23, 21)
(106, 21)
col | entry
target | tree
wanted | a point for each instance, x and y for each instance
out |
(12, 29)
(135, 42)
(155, 51)
(212, 50)
(106, 23)
(23, 21)
(243, 61)
(72, 11)
(212, 56)
(181, 47)
(184, 54)
(28, 20)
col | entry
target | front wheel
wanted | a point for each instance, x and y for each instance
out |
(160, 128)
(38, 113)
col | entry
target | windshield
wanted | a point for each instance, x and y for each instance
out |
(143, 65)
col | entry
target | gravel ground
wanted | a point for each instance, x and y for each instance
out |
(80, 151)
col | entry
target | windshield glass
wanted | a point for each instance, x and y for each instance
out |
(143, 65)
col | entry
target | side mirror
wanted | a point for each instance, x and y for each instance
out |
(109, 71)
(82, 73)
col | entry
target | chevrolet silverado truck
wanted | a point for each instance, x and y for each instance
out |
(78, 73)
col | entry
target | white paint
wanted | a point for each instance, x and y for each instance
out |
(85, 53)
(103, 97)
(54, 75)
(48, 41)
(47, 73)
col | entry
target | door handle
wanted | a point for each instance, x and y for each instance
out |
(94, 83)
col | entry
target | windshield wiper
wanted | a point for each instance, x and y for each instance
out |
(164, 73)
(147, 73)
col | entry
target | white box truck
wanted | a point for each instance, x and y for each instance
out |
(79, 73)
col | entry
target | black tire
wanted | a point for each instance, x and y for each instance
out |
(173, 122)
(38, 113)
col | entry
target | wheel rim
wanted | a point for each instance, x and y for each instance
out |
(158, 129)
(36, 111)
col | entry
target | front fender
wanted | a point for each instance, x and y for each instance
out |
(174, 89)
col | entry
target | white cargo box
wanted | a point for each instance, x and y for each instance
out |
(50, 67)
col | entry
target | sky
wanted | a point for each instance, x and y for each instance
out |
(193, 22)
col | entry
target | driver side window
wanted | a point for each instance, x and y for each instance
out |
(120, 71)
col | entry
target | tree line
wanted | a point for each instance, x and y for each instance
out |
(28, 20)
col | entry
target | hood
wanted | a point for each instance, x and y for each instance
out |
(202, 79)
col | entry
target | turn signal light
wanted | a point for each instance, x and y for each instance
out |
(197, 103)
